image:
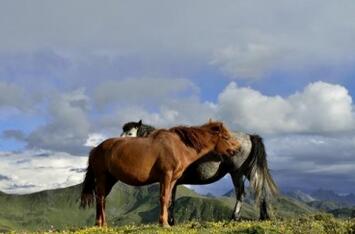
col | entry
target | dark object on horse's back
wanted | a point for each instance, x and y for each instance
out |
(249, 162)
(160, 157)
(142, 130)
(128, 126)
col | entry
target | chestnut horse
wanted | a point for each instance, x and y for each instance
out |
(160, 157)
(250, 162)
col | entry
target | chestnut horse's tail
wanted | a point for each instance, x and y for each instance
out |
(87, 193)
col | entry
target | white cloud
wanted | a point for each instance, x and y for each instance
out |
(320, 108)
(249, 61)
(40, 170)
(141, 90)
(94, 139)
(12, 96)
(68, 125)
(186, 111)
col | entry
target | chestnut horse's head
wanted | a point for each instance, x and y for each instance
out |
(226, 144)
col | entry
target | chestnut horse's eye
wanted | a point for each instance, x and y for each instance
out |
(225, 137)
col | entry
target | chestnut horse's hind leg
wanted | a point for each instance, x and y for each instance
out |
(100, 206)
(104, 185)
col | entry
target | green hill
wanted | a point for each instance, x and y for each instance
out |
(344, 212)
(326, 206)
(125, 205)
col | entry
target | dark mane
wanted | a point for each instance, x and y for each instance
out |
(191, 136)
(144, 130)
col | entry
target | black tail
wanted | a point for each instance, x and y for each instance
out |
(87, 193)
(258, 172)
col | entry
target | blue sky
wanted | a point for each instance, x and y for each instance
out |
(74, 72)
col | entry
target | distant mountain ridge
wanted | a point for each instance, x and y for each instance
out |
(302, 196)
(328, 195)
(322, 195)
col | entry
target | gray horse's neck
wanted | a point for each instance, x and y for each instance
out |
(212, 167)
(145, 130)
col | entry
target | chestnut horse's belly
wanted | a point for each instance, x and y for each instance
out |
(132, 172)
(133, 168)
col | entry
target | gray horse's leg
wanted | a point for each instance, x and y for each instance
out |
(171, 219)
(239, 194)
(264, 215)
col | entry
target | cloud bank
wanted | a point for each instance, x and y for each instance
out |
(71, 73)
(309, 132)
(244, 39)
(320, 108)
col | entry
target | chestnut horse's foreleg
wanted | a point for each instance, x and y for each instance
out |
(165, 193)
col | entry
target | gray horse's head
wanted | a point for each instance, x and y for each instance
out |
(130, 129)
(136, 129)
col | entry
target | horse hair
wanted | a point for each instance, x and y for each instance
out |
(263, 184)
(145, 130)
(191, 136)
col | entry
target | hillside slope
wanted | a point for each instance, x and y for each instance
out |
(126, 204)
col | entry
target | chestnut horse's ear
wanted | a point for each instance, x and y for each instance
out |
(140, 122)
(210, 120)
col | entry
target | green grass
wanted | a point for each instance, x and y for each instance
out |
(311, 224)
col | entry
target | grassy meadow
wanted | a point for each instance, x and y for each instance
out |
(317, 224)
(136, 210)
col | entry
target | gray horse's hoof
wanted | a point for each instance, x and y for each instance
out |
(236, 217)
(171, 222)
(264, 217)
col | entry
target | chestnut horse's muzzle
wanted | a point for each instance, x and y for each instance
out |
(231, 152)
(236, 147)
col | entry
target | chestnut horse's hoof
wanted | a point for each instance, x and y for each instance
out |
(165, 225)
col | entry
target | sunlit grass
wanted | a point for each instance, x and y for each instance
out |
(312, 224)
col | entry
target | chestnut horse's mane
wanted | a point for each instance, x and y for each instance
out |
(194, 137)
